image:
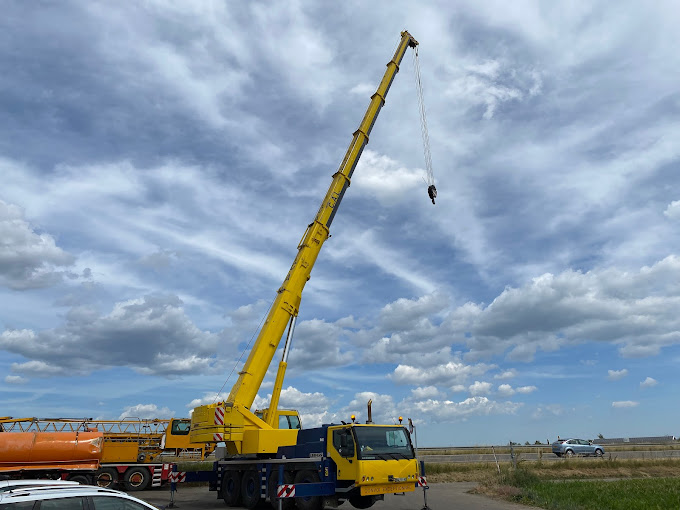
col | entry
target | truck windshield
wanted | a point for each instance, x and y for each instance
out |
(383, 443)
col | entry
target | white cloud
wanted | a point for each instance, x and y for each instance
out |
(474, 406)
(453, 372)
(15, 379)
(616, 375)
(480, 388)
(526, 389)
(505, 390)
(383, 408)
(549, 410)
(649, 382)
(625, 403)
(506, 374)
(27, 259)
(673, 210)
(385, 179)
(319, 343)
(151, 335)
(208, 398)
(146, 412)
(634, 310)
(422, 393)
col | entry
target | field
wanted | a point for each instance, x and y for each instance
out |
(577, 484)
(574, 484)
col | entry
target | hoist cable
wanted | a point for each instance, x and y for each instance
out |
(423, 119)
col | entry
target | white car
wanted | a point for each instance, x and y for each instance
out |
(8, 485)
(69, 497)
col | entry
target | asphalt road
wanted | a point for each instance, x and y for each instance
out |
(440, 496)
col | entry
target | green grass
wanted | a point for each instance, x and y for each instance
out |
(636, 494)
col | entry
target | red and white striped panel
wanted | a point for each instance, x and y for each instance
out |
(286, 491)
(219, 416)
(179, 476)
(422, 481)
(166, 470)
(218, 437)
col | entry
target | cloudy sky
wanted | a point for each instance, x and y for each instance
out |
(160, 161)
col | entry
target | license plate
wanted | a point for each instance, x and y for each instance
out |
(368, 490)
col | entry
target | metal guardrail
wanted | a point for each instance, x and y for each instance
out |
(430, 450)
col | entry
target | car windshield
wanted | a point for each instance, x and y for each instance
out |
(383, 443)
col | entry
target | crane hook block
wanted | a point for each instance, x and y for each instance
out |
(432, 192)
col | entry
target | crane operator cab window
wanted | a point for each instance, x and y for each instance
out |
(343, 442)
(289, 422)
(180, 427)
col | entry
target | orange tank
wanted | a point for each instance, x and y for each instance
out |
(50, 450)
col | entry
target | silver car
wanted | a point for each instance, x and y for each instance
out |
(571, 447)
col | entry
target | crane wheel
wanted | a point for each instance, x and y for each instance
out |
(272, 485)
(312, 502)
(250, 488)
(231, 488)
(362, 502)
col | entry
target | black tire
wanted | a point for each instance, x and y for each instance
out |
(250, 489)
(569, 453)
(81, 479)
(599, 453)
(312, 502)
(136, 478)
(362, 501)
(558, 454)
(106, 478)
(272, 485)
(231, 488)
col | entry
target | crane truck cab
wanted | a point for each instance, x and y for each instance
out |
(363, 461)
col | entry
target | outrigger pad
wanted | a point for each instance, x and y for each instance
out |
(432, 192)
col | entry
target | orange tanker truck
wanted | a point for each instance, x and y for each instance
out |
(129, 452)
(68, 455)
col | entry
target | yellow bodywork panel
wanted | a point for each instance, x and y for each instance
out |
(241, 430)
(268, 441)
(120, 451)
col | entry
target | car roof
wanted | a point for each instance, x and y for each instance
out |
(6, 485)
(39, 493)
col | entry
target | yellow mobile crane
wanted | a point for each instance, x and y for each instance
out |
(251, 436)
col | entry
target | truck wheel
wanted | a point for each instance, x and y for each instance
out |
(362, 501)
(81, 479)
(250, 488)
(312, 502)
(136, 479)
(231, 488)
(272, 485)
(107, 478)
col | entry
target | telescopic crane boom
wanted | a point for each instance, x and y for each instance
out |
(233, 421)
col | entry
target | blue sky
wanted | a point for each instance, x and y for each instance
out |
(160, 162)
